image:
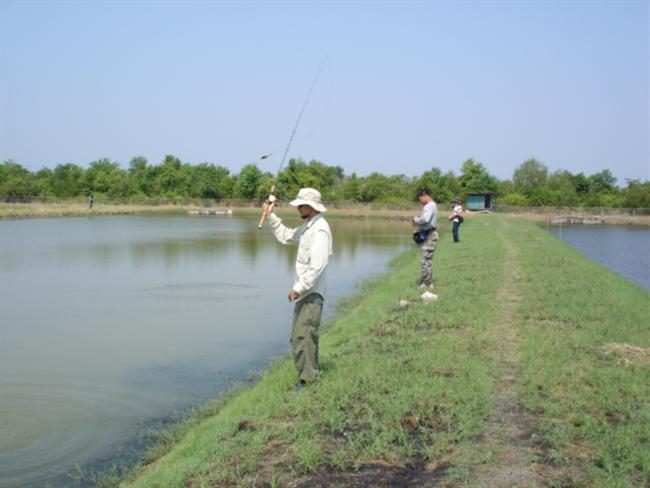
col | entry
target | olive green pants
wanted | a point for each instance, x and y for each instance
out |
(304, 336)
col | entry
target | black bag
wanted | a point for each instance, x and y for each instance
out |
(460, 219)
(419, 236)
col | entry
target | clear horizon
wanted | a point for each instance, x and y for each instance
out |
(406, 86)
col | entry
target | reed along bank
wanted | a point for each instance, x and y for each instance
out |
(531, 369)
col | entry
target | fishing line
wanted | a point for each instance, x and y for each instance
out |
(272, 200)
(302, 111)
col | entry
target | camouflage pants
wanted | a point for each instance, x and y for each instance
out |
(304, 336)
(426, 258)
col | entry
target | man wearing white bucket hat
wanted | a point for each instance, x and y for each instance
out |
(314, 240)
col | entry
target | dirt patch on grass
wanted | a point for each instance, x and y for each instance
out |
(627, 354)
(381, 474)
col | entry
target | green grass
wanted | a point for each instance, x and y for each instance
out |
(420, 382)
(594, 406)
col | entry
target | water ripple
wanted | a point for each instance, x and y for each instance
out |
(46, 427)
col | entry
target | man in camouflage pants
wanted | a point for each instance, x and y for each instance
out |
(427, 221)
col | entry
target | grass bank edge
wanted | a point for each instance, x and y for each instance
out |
(591, 398)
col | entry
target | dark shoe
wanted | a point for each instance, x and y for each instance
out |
(299, 386)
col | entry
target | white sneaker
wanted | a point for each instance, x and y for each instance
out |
(427, 296)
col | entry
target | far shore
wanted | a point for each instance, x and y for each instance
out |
(358, 211)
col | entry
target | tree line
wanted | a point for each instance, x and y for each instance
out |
(173, 180)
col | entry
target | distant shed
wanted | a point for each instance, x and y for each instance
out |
(479, 201)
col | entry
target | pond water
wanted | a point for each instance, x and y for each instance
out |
(623, 249)
(110, 326)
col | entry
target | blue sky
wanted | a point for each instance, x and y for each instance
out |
(406, 86)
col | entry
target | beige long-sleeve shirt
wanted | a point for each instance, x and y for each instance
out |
(314, 240)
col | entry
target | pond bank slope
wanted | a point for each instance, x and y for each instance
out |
(532, 369)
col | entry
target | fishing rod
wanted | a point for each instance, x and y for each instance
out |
(271, 200)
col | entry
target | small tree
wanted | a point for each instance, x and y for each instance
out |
(169, 176)
(514, 199)
(68, 180)
(351, 188)
(603, 181)
(100, 175)
(43, 182)
(561, 182)
(247, 181)
(530, 176)
(636, 194)
(16, 182)
(475, 178)
(580, 183)
(439, 186)
(141, 175)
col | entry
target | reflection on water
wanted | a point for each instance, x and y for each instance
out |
(625, 250)
(110, 324)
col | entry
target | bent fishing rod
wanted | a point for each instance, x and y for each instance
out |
(272, 200)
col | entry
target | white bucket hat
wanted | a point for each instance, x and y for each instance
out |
(311, 197)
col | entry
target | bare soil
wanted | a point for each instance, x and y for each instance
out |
(416, 473)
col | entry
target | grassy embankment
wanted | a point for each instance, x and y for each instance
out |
(521, 374)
